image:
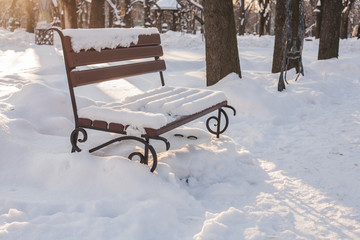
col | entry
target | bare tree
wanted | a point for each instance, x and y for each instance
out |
(69, 17)
(97, 14)
(318, 12)
(30, 16)
(330, 29)
(127, 17)
(147, 18)
(280, 19)
(264, 15)
(242, 20)
(222, 55)
(346, 7)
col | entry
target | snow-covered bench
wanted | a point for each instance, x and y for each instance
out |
(141, 117)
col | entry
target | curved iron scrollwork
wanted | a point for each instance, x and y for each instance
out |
(167, 143)
(74, 138)
(217, 123)
(143, 157)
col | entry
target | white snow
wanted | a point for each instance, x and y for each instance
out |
(155, 108)
(286, 168)
(84, 39)
(167, 5)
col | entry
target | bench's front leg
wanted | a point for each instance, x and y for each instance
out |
(74, 138)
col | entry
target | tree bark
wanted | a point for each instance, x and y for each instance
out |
(295, 32)
(127, 17)
(30, 16)
(318, 10)
(330, 29)
(347, 4)
(222, 56)
(70, 17)
(147, 19)
(97, 14)
(280, 19)
(241, 25)
(263, 16)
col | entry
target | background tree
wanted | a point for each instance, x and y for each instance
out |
(346, 7)
(280, 19)
(30, 15)
(318, 12)
(147, 18)
(264, 15)
(242, 15)
(69, 17)
(97, 14)
(222, 56)
(127, 16)
(330, 29)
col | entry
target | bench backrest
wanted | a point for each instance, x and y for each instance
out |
(148, 46)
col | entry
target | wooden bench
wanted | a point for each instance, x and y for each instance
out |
(152, 113)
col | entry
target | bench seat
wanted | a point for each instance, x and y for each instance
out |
(154, 110)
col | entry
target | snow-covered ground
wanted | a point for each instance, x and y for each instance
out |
(287, 167)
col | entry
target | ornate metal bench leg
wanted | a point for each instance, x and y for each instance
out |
(217, 123)
(74, 138)
(143, 157)
(167, 143)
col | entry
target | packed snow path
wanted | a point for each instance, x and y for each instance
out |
(287, 169)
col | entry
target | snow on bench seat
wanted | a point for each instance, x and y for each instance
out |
(156, 108)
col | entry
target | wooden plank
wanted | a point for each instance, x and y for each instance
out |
(112, 55)
(80, 78)
(147, 40)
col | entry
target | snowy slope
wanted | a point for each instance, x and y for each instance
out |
(287, 167)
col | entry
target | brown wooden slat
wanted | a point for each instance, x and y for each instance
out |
(84, 122)
(113, 55)
(116, 127)
(100, 124)
(80, 78)
(183, 120)
(146, 40)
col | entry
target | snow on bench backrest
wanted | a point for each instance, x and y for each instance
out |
(83, 47)
(98, 39)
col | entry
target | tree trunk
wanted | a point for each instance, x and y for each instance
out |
(127, 17)
(295, 21)
(147, 19)
(222, 56)
(280, 18)
(318, 12)
(241, 29)
(30, 16)
(330, 29)
(70, 17)
(263, 16)
(347, 4)
(97, 14)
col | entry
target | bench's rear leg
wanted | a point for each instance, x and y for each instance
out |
(217, 124)
(74, 138)
(143, 157)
